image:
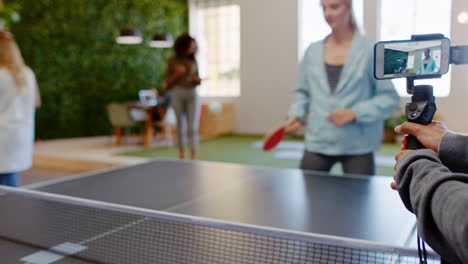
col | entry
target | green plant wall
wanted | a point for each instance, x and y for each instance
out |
(70, 45)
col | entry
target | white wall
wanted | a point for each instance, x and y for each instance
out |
(269, 48)
(454, 108)
(371, 21)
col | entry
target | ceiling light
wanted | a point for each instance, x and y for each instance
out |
(129, 36)
(161, 41)
(463, 17)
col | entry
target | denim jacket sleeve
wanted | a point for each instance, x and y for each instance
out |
(384, 102)
(300, 105)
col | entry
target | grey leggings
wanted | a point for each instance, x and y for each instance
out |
(187, 112)
(352, 164)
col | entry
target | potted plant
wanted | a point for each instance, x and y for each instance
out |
(8, 15)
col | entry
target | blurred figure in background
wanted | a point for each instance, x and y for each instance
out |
(182, 80)
(19, 96)
(428, 64)
(338, 99)
(403, 67)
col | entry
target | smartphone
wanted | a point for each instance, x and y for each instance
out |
(405, 58)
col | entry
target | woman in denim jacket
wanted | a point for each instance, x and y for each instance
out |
(338, 99)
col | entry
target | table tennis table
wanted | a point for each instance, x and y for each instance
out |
(171, 211)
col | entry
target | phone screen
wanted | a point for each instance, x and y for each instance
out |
(412, 58)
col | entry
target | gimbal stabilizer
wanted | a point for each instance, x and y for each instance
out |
(422, 107)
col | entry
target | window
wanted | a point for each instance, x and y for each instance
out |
(215, 24)
(403, 18)
(312, 24)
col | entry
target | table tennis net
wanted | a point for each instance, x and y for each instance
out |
(118, 234)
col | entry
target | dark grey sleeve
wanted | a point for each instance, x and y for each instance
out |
(439, 198)
(453, 152)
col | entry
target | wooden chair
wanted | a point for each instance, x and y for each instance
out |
(120, 119)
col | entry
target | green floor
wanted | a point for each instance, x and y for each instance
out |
(237, 149)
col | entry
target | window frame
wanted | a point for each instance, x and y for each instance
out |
(194, 31)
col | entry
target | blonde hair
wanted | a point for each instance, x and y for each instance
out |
(352, 21)
(11, 59)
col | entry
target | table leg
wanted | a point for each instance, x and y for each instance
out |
(148, 128)
(118, 135)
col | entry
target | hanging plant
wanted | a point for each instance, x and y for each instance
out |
(8, 15)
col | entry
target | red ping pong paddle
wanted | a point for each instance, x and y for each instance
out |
(273, 139)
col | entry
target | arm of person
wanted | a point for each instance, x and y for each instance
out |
(342, 117)
(37, 96)
(439, 198)
(166, 83)
(453, 151)
(421, 67)
(382, 104)
(432, 65)
(173, 73)
(451, 147)
(197, 79)
(300, 105)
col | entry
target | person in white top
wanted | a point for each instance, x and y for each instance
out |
(19, 96)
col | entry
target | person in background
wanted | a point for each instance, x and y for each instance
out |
(182, 80)
(19, 96)
(433, 184)
(428, 64)
(338, 99)
(402, 68)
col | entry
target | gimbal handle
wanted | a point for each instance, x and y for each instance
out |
(420, 110)
(422, 107)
